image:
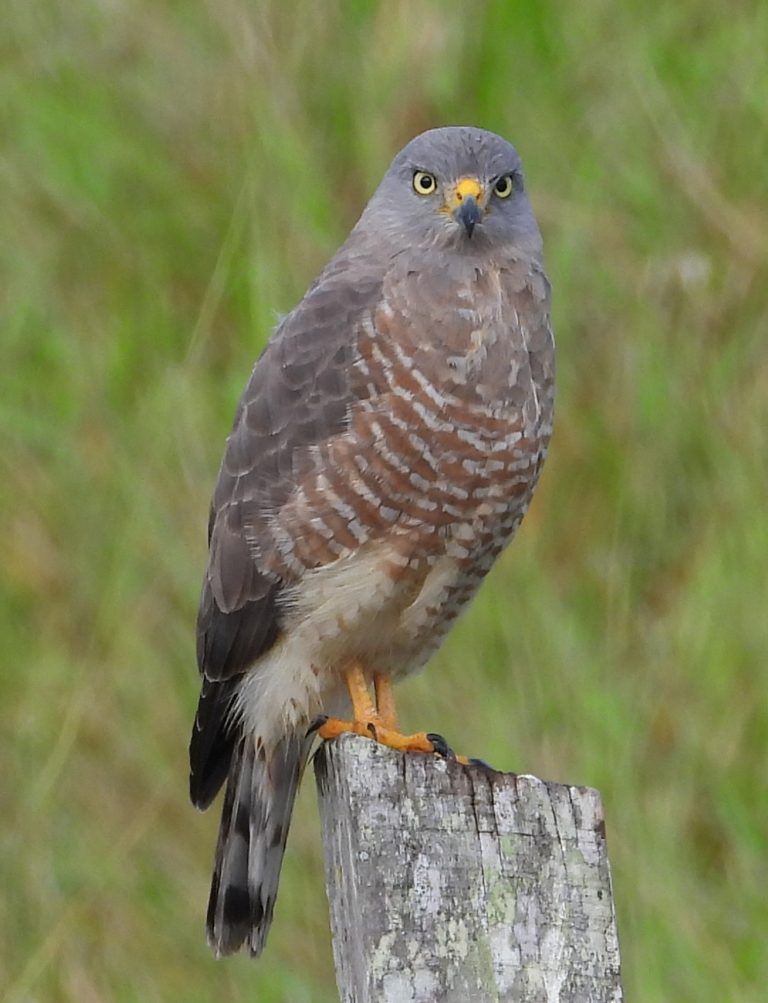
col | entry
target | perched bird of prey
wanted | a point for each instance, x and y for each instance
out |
(383, 453)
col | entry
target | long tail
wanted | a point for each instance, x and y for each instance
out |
(254, 827)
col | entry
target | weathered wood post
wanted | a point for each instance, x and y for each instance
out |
(453, 884)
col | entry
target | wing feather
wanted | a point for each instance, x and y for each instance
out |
(298, 396)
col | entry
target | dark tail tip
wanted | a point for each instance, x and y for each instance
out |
(254, 827)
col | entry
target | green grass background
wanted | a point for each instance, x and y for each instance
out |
(172, 175)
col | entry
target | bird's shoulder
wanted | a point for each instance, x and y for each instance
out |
(300, 388)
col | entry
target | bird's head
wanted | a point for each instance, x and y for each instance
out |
(455, 186)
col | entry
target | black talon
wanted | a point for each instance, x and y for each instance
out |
(372, 729)
(480, 762)
(440, 746)
(316, 724)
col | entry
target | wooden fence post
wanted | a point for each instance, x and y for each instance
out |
(452, 884)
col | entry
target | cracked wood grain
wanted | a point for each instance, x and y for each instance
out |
(452, 884)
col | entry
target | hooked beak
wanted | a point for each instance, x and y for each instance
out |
(468, 214)
(466, 203)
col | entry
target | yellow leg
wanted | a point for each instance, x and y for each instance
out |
(362, 705)
(385, 700)
(379, 725)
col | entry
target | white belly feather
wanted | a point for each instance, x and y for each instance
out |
(352, 608)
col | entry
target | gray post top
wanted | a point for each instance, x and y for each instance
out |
(452, 883)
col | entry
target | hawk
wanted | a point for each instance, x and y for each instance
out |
(383, 453)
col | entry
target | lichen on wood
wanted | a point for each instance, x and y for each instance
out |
(454, 884)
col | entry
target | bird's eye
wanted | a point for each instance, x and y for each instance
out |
(503, 187)
(423, 183)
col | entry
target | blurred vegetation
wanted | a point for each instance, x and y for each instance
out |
(172, 175)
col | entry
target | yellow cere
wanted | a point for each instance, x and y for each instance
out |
(468, 186)
(464, 188)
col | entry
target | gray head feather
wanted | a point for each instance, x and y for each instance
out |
(400, 217)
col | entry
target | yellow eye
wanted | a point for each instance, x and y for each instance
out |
(423, 183)
(503, 187)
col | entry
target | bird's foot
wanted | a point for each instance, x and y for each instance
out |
(379, 721)
(373, 728)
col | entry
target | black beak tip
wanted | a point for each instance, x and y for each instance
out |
(468, 214)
